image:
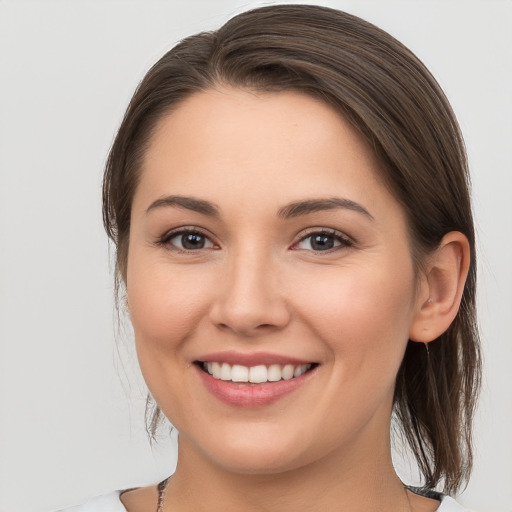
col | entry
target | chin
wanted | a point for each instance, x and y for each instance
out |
(250, 457)
(257, 462)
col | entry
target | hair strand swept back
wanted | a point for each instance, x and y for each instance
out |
(397, 106)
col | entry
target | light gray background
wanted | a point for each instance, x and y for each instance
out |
(71, 402)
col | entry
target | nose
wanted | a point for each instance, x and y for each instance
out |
(250, 300)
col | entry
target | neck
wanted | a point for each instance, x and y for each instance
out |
(351, 481)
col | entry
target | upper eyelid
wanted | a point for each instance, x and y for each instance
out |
(164, 240)
(326, 231)
(185, 229)
(345, 241)
(298, 238)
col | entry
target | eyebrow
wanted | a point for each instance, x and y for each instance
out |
(187, 203)
(295, 209)
(298, 208)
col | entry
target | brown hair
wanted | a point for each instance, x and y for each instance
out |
(398, 107)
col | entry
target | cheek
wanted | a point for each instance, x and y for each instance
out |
(362, 318)
(166, 306)
(165, 303)
(363, 314)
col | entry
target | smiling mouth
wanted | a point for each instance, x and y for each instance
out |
(258, 374)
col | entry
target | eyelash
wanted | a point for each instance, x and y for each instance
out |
(165, 240)
(344, 241)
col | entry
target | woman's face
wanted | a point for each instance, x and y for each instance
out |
(263, 244)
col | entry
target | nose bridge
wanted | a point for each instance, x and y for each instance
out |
(249, 299)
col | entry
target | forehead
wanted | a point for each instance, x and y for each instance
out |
(236, 116)
(282, 145)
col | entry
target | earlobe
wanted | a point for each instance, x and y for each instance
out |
(441, 288)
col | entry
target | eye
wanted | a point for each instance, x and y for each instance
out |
(323, 241)
(187, 240)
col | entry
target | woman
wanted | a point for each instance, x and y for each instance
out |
(289, 201)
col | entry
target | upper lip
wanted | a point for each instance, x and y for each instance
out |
(253, 359)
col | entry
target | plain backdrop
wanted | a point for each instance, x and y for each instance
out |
(71, 399)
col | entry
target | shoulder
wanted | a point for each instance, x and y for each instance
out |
(110, 502)
(450, 505)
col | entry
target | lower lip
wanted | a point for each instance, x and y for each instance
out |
(251, 395)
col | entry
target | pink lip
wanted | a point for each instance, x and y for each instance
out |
(251, 395)
(254, 359)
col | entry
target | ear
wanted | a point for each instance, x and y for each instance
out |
(441, 287)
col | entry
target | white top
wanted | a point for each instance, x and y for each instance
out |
(112, 503)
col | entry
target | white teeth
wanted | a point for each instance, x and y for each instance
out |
(299, 370)
(255, 374)
(287, 372)
(274, 373)
(258, 374)
(215, 370)
(225, 371)
(239, 373)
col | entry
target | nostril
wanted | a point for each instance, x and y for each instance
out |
(248, 309)
(247, 330)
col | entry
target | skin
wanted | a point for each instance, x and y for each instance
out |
(259, 285)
